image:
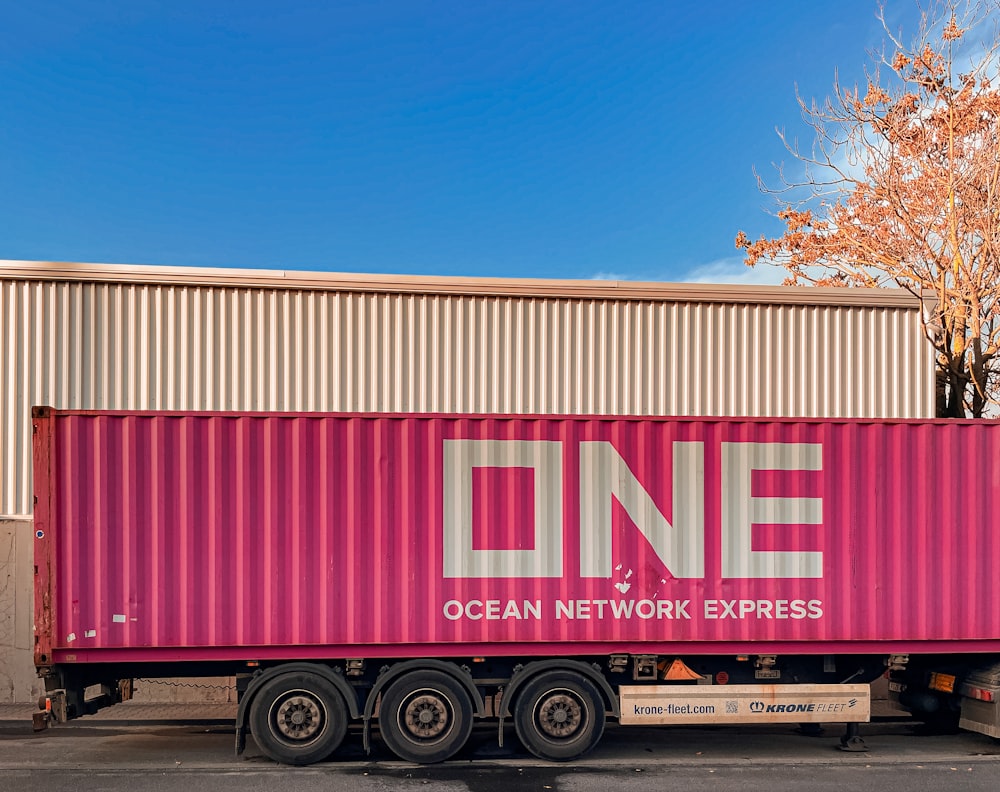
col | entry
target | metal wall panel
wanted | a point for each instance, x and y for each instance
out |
(100, 343)
(228, 536)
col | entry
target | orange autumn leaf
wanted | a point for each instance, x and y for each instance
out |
(901, 187)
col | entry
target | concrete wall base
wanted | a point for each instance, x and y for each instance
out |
(18, 683)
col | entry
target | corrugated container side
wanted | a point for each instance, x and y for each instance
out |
(199, 536)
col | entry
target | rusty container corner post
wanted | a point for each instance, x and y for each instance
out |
(44, 456)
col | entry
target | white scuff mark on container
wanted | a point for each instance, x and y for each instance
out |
(134, 618)
(663, 580)
(623, 587)
(618, 568)
(70, 638)
(118, 618)
(628, 574)
(90, 634)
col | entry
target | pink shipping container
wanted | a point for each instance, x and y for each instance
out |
(205, 535)
(264, 538)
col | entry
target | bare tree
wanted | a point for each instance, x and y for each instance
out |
(902, 186)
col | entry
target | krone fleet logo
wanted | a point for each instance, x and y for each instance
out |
(756, 706)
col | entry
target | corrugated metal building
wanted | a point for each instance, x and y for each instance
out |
(78, 336)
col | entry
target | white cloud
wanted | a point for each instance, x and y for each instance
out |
(733, 270)
(729, 270)
(610, 276)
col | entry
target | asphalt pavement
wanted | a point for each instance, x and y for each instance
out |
(165, 748)
(157, 737)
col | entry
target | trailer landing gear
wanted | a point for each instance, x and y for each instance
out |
(852, 740)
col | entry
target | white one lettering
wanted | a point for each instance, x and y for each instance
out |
(461, 558)
(606, 478)
(740, 510)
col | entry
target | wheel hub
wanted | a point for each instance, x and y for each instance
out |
(559, 715)
(299, 718)
(426, 716)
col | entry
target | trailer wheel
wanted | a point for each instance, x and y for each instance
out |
(425, 717)
(559, 716)
(298, 718)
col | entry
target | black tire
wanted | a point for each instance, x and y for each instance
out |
(425, 716)
(298, 718)
(559, 716)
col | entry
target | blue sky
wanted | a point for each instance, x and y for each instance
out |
(522, 139)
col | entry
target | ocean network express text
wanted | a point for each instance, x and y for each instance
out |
(589, 609)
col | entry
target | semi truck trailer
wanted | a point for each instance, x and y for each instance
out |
(419, 573)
